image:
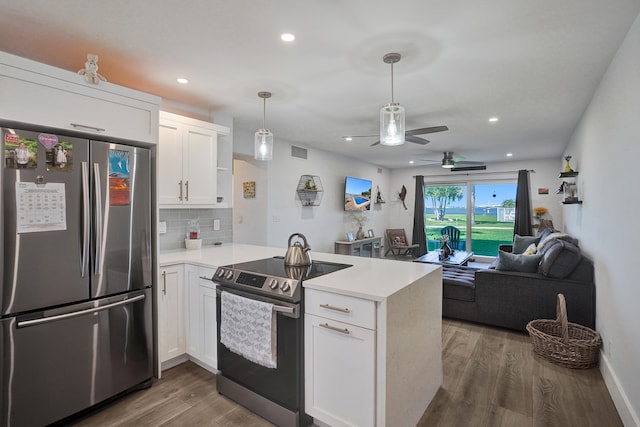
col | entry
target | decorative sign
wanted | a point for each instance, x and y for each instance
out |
(47, 140)
(249, 189)
(40, 207)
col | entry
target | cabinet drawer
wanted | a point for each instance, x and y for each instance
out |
(343, 308)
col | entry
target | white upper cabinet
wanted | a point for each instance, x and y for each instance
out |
(36, 93)
(187, 171)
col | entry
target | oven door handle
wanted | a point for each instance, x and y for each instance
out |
(284, 309)
(289, 310)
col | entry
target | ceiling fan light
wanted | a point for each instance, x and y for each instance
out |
(448, 163)
(392, 127)
(263, 146)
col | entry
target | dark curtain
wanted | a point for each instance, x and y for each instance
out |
(419, 237)
(522, 226)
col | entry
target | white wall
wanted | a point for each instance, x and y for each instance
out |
(249, 218)
(605, 149)
(545, 176)
(284, 213)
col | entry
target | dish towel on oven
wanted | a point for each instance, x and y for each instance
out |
(248, 328)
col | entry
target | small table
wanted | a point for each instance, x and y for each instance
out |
(457, 258)
(370, 247)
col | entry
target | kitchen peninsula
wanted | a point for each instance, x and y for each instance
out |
(377, 363)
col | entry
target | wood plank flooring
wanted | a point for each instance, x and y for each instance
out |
(491, 378)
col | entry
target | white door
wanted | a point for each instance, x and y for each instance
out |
(170, 183)
(170, 313)
(200, 169)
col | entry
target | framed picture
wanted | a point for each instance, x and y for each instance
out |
(249, 189)
(370, 233)
(350, 237)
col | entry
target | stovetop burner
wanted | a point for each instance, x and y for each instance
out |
(272, 277)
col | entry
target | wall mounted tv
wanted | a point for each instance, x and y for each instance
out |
(357, 194)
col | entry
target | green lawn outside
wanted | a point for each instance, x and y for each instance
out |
(488, 233)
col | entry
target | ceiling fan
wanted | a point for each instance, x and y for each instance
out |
(457, 163)
(410, 135)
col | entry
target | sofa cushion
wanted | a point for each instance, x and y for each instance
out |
(521, 243)
(518, 262)
(458, 283)
(559, 259)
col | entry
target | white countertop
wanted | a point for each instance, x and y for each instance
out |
(370, 278)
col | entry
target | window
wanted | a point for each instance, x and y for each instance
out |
(483, 212)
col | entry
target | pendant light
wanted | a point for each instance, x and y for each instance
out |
(392, 115)
(263, 147)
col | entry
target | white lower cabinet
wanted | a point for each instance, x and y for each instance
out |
(202, 336)
(340, 370)
(171, 331)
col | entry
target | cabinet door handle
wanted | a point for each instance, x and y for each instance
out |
(334, 328)
(164, 282)
(187, 185)
(78, 125)
(180, 185)
(334, 308)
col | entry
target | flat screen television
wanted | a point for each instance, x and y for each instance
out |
(357, 194)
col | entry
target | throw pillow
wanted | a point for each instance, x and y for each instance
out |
(531, 250)
(518, 262)
(559, 259)
(521, 243)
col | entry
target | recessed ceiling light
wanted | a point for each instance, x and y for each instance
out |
(287, 37)
(182, 80)
(509, 154)
(348, 138)
(493, 119)
(411, 162)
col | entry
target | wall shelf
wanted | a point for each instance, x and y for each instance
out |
(310, 190)
(569, 188)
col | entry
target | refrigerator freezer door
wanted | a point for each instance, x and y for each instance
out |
(121, 186)
(72, 358)
(42, 259)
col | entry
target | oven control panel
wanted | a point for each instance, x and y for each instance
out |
(254, 282)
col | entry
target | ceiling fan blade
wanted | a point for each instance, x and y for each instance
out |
(416, 139)
(360, 136)
(468, 168)
(375, 143)
(469, 163)
(424, 131)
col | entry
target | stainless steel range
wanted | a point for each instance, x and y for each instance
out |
(275, 393)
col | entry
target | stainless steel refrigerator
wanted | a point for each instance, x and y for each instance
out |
(76, 291)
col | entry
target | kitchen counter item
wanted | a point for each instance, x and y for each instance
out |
(296, 253)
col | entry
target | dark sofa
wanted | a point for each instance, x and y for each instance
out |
(511, 299)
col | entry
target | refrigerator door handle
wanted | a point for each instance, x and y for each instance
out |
(33, 322)
(85, 219)
(98, 217)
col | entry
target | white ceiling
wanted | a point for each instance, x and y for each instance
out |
(533, 64)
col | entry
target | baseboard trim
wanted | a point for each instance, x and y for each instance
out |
(620, 399)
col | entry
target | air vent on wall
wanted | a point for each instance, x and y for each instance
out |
(298, 152)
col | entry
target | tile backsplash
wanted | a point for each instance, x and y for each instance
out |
(177, 220)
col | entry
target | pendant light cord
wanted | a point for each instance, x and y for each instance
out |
(392, 83)
(264, 111)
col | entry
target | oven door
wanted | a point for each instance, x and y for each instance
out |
(282, 385)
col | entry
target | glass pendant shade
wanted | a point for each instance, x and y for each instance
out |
(263, 147)
(392, 124)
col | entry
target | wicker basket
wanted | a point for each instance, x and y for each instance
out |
(564, 343)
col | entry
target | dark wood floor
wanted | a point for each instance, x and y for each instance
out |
(491, 378)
